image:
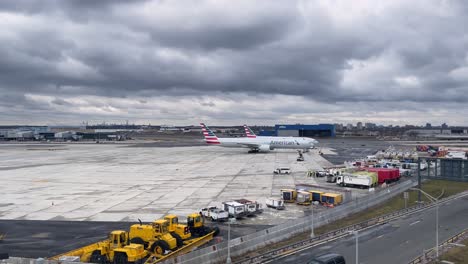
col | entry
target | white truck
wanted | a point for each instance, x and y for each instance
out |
(360, 181)
(234, 209)
(456, 155)
(215, 214)
(251, 208)
(276, 203)
(282, 170)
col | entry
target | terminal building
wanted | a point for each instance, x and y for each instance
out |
(300, 130)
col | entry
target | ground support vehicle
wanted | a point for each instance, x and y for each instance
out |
(235, 209)
(304, 198)
(282, 170)
(215, 214)
(288, 195)
(386, 175)
(355, 181)
(373, 175)
(276, 203)
(251, 208)
(332, 198)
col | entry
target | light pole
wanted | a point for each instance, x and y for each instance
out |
(229, 260)
(357, 246)
(436, 201)
(312, 235)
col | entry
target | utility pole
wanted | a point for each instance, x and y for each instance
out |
(357, 246)
(312, 235)
(229, 260)
(436, 201)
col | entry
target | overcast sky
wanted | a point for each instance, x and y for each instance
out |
(233, 62)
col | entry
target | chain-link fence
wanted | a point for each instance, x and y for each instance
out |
(241, 245)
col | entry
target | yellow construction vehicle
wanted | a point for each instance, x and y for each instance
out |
(195, 226)
(155, 237)
(179, 231)
(152, 242)
(116, 249)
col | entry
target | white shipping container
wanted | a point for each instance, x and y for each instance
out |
(275, 203)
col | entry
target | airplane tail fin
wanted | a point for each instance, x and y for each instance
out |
(210, 137)
(249, 132)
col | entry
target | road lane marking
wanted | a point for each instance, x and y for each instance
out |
(415, 222)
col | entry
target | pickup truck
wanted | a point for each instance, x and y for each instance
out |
(282, 170)
(215, 214)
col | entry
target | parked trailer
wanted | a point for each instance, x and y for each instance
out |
(304, 198)
(316, 195)
(289, 195)
(361, 181)
(332, 198)
(276, 203)
(386, 175)
(251, 208)
(373, 175)
(234, 209)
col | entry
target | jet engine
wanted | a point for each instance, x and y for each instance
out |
(265, 148)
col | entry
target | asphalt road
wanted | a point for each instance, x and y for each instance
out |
(398, 241)
(34, 239)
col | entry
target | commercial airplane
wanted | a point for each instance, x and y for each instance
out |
(260, 143)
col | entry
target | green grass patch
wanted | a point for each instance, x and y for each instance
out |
(456, 254)
(434, 187)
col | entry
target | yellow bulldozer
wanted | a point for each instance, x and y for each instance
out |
(168, 234)
(155, 237)
(116, 249)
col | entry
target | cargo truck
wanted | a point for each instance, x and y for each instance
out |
(372, 175)
(276, 203)
(235, 209)
(386, 175)
(251, 208)
(360, 181)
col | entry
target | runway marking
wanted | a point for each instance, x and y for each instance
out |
(415, 222)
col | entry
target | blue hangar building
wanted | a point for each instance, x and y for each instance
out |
(299, 130)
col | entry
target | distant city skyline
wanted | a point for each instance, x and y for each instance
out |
(232, 62)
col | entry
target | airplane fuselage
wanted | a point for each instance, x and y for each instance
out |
(268, 143)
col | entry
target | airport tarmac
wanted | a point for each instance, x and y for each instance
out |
(113, 182)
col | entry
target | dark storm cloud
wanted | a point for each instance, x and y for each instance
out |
(328, 52)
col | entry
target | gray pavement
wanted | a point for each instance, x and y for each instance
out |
(34, 239)
(398, 241)
(103, 182)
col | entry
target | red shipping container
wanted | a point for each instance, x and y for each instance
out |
(386, 175)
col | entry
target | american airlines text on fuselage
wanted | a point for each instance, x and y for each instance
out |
(283, 143)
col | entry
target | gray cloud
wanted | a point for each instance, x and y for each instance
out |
(113, 58)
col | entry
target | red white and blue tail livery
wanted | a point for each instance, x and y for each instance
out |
(210, 137)
(258, 143)
(249, 132)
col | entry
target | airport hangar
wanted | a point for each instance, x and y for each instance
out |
(300, 130)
